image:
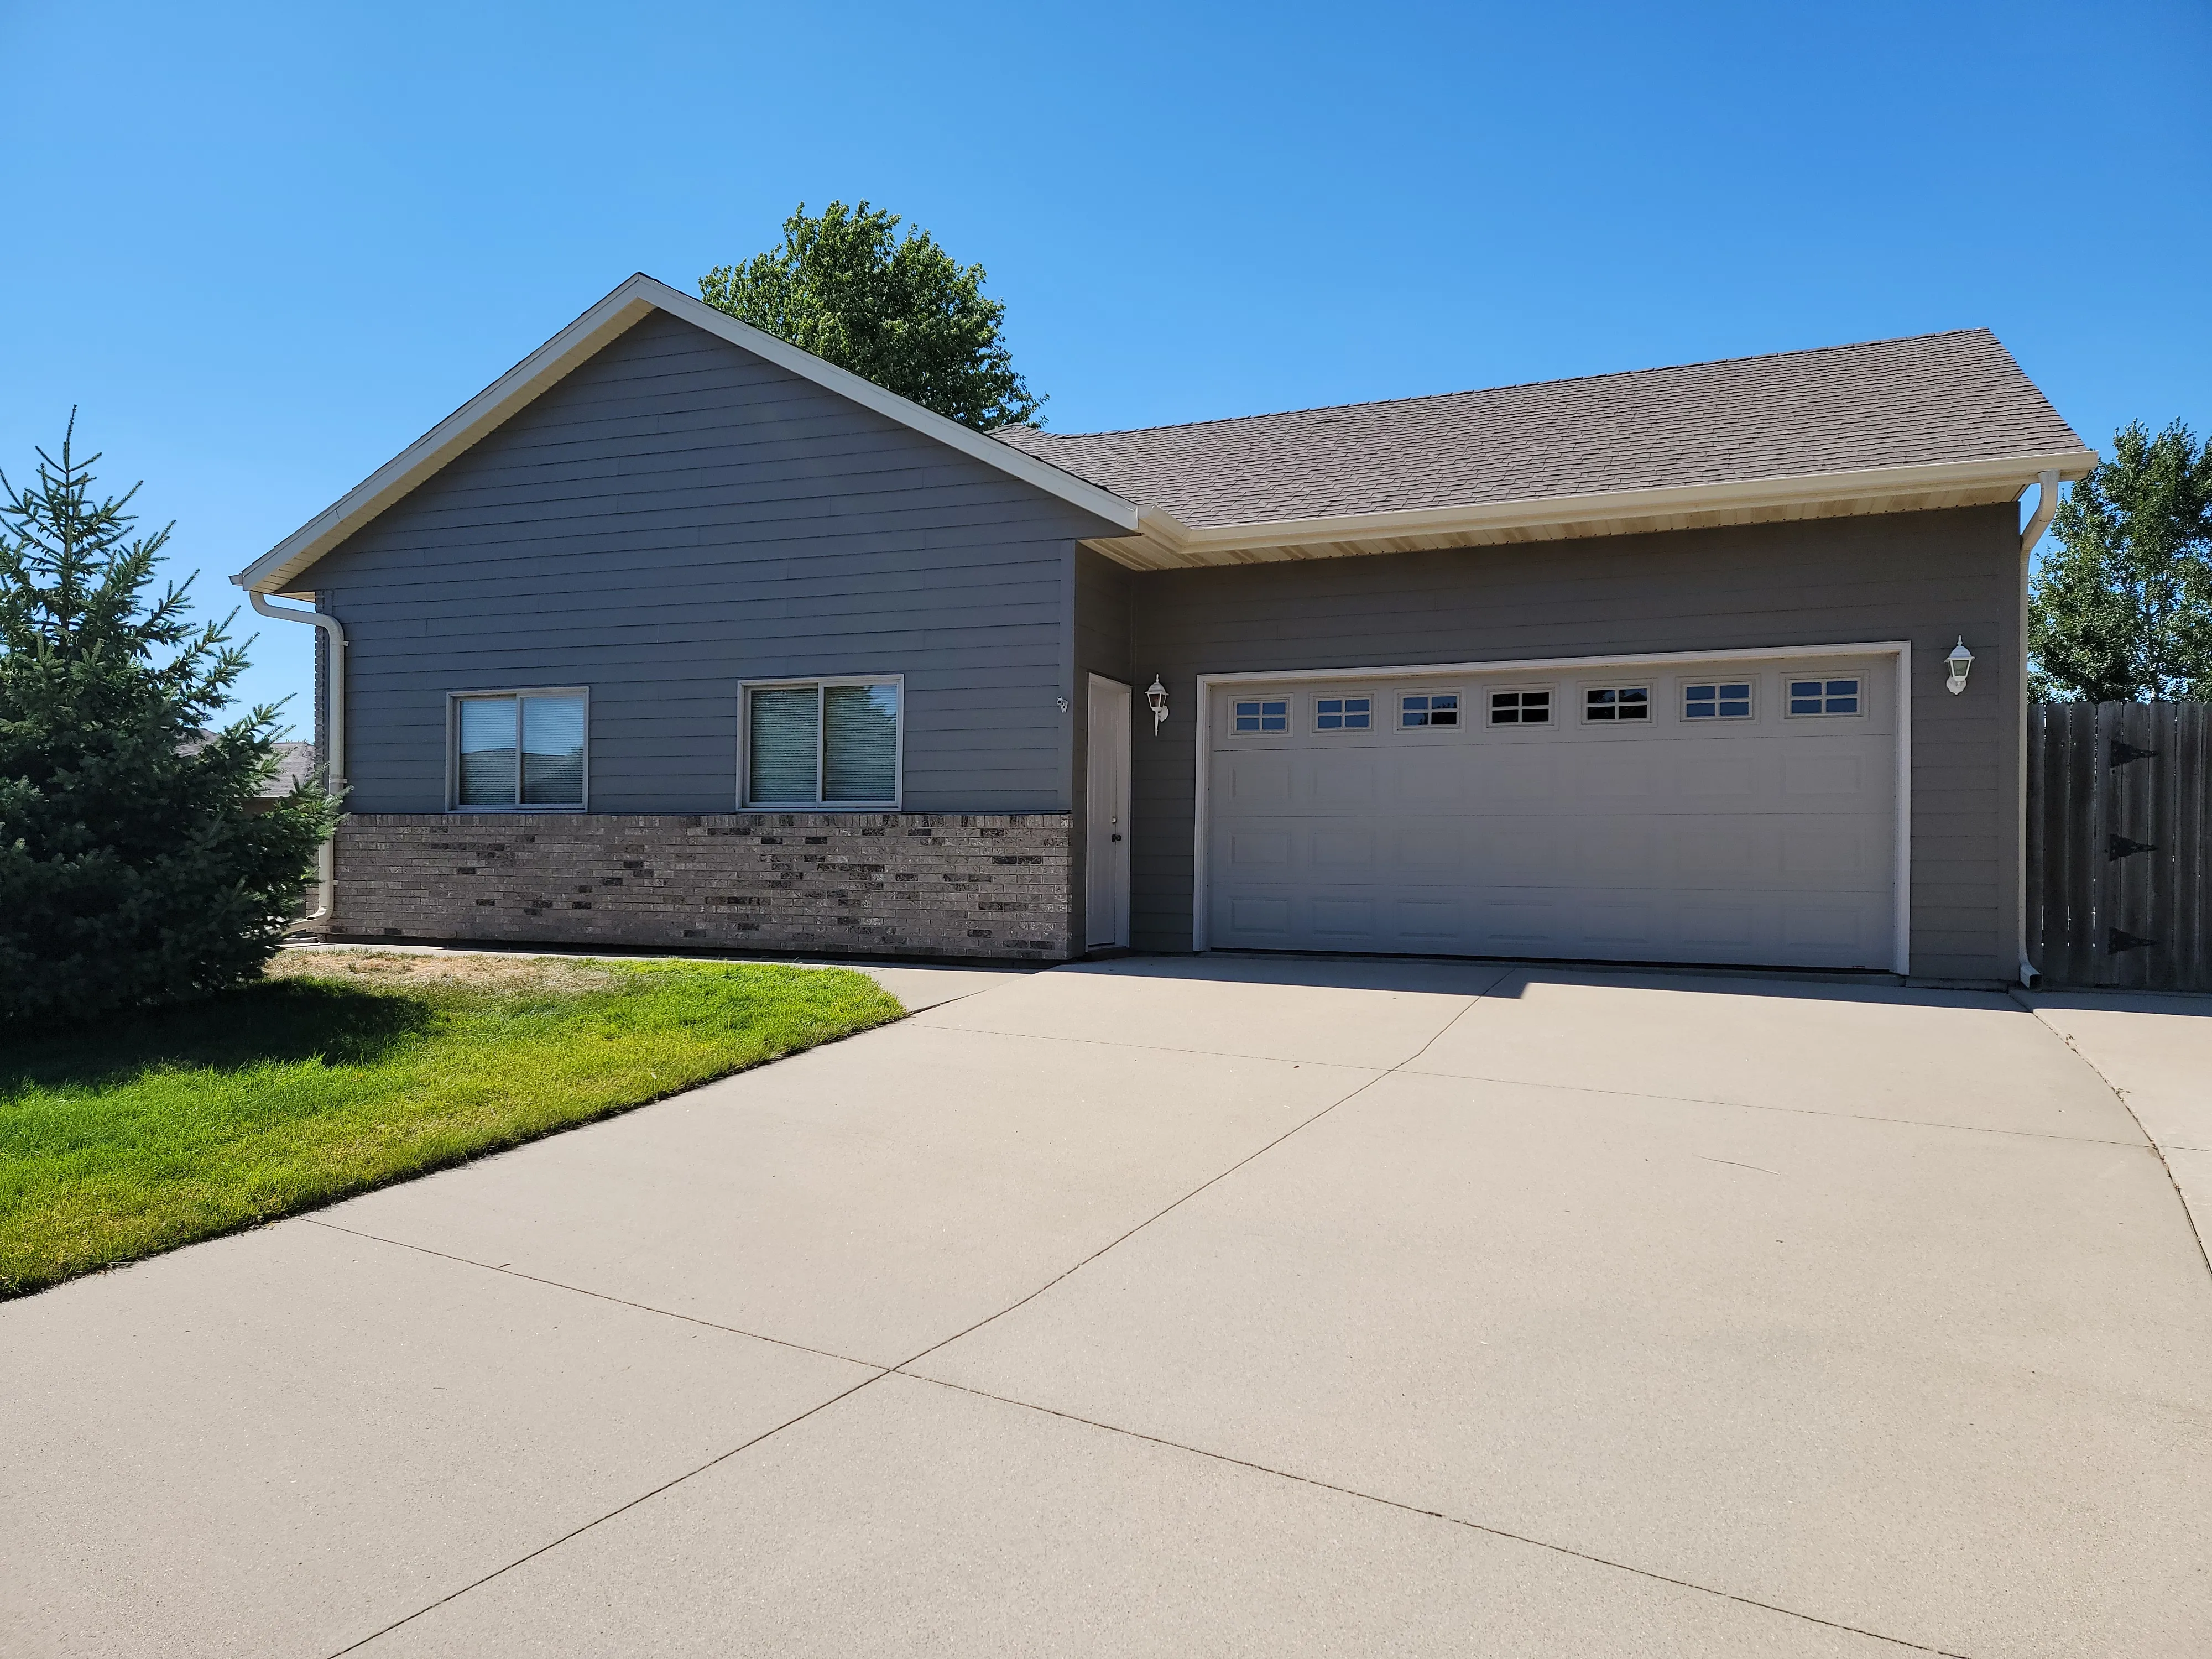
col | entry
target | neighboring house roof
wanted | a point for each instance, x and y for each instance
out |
(631, 303)
(295, 764)
(1946, 414)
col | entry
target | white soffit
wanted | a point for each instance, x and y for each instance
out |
(559, 356)
(1164, 542)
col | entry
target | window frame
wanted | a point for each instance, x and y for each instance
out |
(1648, 718)
(820, 683)
(1682, 715)
(1859, 695)
(453, 702)
(1320, 731)
(1491, 723)
(1290, 701)
(1459, 710)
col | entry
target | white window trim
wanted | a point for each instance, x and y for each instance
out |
(820, 682)
(1757, 681)
(1398, 710)
(1374, 715)
(1490, 721)
(1290, 701)
(1899, 650)
(1650, 702)
(455, 699)
(1788, 714)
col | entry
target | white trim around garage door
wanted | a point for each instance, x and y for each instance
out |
(1900, 650)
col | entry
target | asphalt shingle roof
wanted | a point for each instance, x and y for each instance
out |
(1932, 397)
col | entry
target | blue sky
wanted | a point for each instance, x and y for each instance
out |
(265, 247)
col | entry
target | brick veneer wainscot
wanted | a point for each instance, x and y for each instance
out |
(883, 884)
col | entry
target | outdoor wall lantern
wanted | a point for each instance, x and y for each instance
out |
(1156, 695)
(1956, 666)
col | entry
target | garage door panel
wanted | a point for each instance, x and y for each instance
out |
(1767, 839)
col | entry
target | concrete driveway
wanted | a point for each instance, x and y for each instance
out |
(1191, 1306)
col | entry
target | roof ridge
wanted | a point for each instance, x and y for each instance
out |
(1509, 385)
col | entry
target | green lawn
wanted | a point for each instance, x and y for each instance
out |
(346, 1070)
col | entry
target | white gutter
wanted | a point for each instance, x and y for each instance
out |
(2046, 504)
(334, 680)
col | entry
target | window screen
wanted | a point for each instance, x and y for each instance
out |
(521, 750)
(553, 751)
(1343, 713)
(1437, 709)
(784, 747)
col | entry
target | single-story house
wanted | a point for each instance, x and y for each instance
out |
(678, 635)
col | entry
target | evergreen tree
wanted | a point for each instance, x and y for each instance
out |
(897, 310)
(132, 871)
(2120, 611)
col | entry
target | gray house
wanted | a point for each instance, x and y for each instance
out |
(677, 636)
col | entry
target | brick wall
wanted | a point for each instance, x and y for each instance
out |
(882, 883)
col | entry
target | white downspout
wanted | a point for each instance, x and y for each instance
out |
(334, 682)
(2046, 503)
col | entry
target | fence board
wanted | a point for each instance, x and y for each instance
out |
(2119, 862)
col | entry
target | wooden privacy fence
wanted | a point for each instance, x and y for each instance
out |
(2119, 844)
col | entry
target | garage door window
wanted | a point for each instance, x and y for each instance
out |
(1824, 697)
(1519, 708)
(1262, 715)
(1724, 702)
(1343, 713)
(1437, 709)
(1611, 704)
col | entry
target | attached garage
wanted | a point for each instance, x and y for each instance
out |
(1740, 810)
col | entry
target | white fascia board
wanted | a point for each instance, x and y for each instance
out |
(560, 356)
(1662, 501)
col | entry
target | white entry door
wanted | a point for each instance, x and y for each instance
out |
(1742, 812)
(1106, 908)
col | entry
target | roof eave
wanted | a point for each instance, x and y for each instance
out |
(1164, 542)
(545, 368)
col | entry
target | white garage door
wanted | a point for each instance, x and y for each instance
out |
(1709, 812)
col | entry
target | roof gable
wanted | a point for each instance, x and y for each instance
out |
(552, 363)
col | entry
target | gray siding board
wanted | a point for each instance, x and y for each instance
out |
(1926, 577)
(677, 516)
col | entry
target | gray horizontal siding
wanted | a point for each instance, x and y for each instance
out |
(677, 516)
(1927, 577)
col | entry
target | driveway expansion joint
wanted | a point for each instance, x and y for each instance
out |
(507, 1272)
(1763, 1106)
(620, 1508)
(1443, 1516)
(1470, 1001)
(2188, 1215)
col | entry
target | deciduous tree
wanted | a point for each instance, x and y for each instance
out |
(2120, 609)
(896, 310)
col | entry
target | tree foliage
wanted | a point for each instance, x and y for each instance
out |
(2120, 609)
(132, 871)
(895, 310)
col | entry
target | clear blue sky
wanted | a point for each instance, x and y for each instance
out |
(265, 247)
